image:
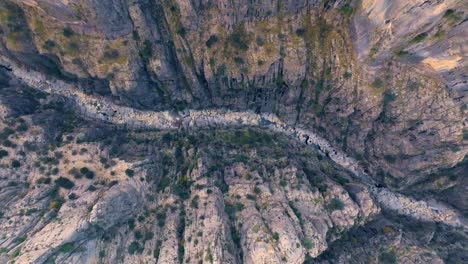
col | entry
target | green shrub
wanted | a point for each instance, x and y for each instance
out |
(157, 249)
(54, 171)
(230, 210)
(12, 183)
(221, 70)
(147, 49)
(112, 183)
(239, 206)
(342, 181)
(182, 188)
(15, 253)
(238, 39)
(161, 218)
(452, 14)
(194, 202)
(388, 257)
(15, 164)
(141, 218)
(449, 13)
(20, 240)
(64, 183)
(413, 86)
(135, 35)
(236, 238)
(251, 197)
(257, 190)
(129, 172)
(188, 61)
(43, 180)
(212, 62)
(211, 41)
(131, 224)
(67, 247)
(347, 75)
(275, 236)
(389, 97)
(30, 211)
(13, 19)
(135, 248)
(3, 153)
(89, 175)
(72, 47)
(335, 205)
(84, 171)
(209, 256)
(163, 184)
(111, 54)
(346, 10)
(402, 53)
(307, 243)
(180, 235)
(300, 32)
(6, 132)
(415, 123)
(419, 38)
(149, 236)
(239, 60)
(390, 158)
(378, 83)
(180, 29)
(260, 41)
(78, 62)
(68, 32)
(75, 173)
(222, 185)
(49, 44)
(138, 235)
(7, 143)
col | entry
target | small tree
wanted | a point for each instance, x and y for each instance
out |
(275, 236)
(335, 205)
(3, 153)
(64, 183)
(211, 41)
(67, 32)
(129, 172)
(388, 257)
(15, 164)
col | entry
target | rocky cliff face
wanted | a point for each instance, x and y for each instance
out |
(384, 81)
(224, 196)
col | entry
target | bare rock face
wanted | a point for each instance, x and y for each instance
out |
(119, 204)
(431, 33)
(125, 131)
(201, 197)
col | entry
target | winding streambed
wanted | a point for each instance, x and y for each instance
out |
(101, 108)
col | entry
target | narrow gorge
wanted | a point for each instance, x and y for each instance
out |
(282, 131)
